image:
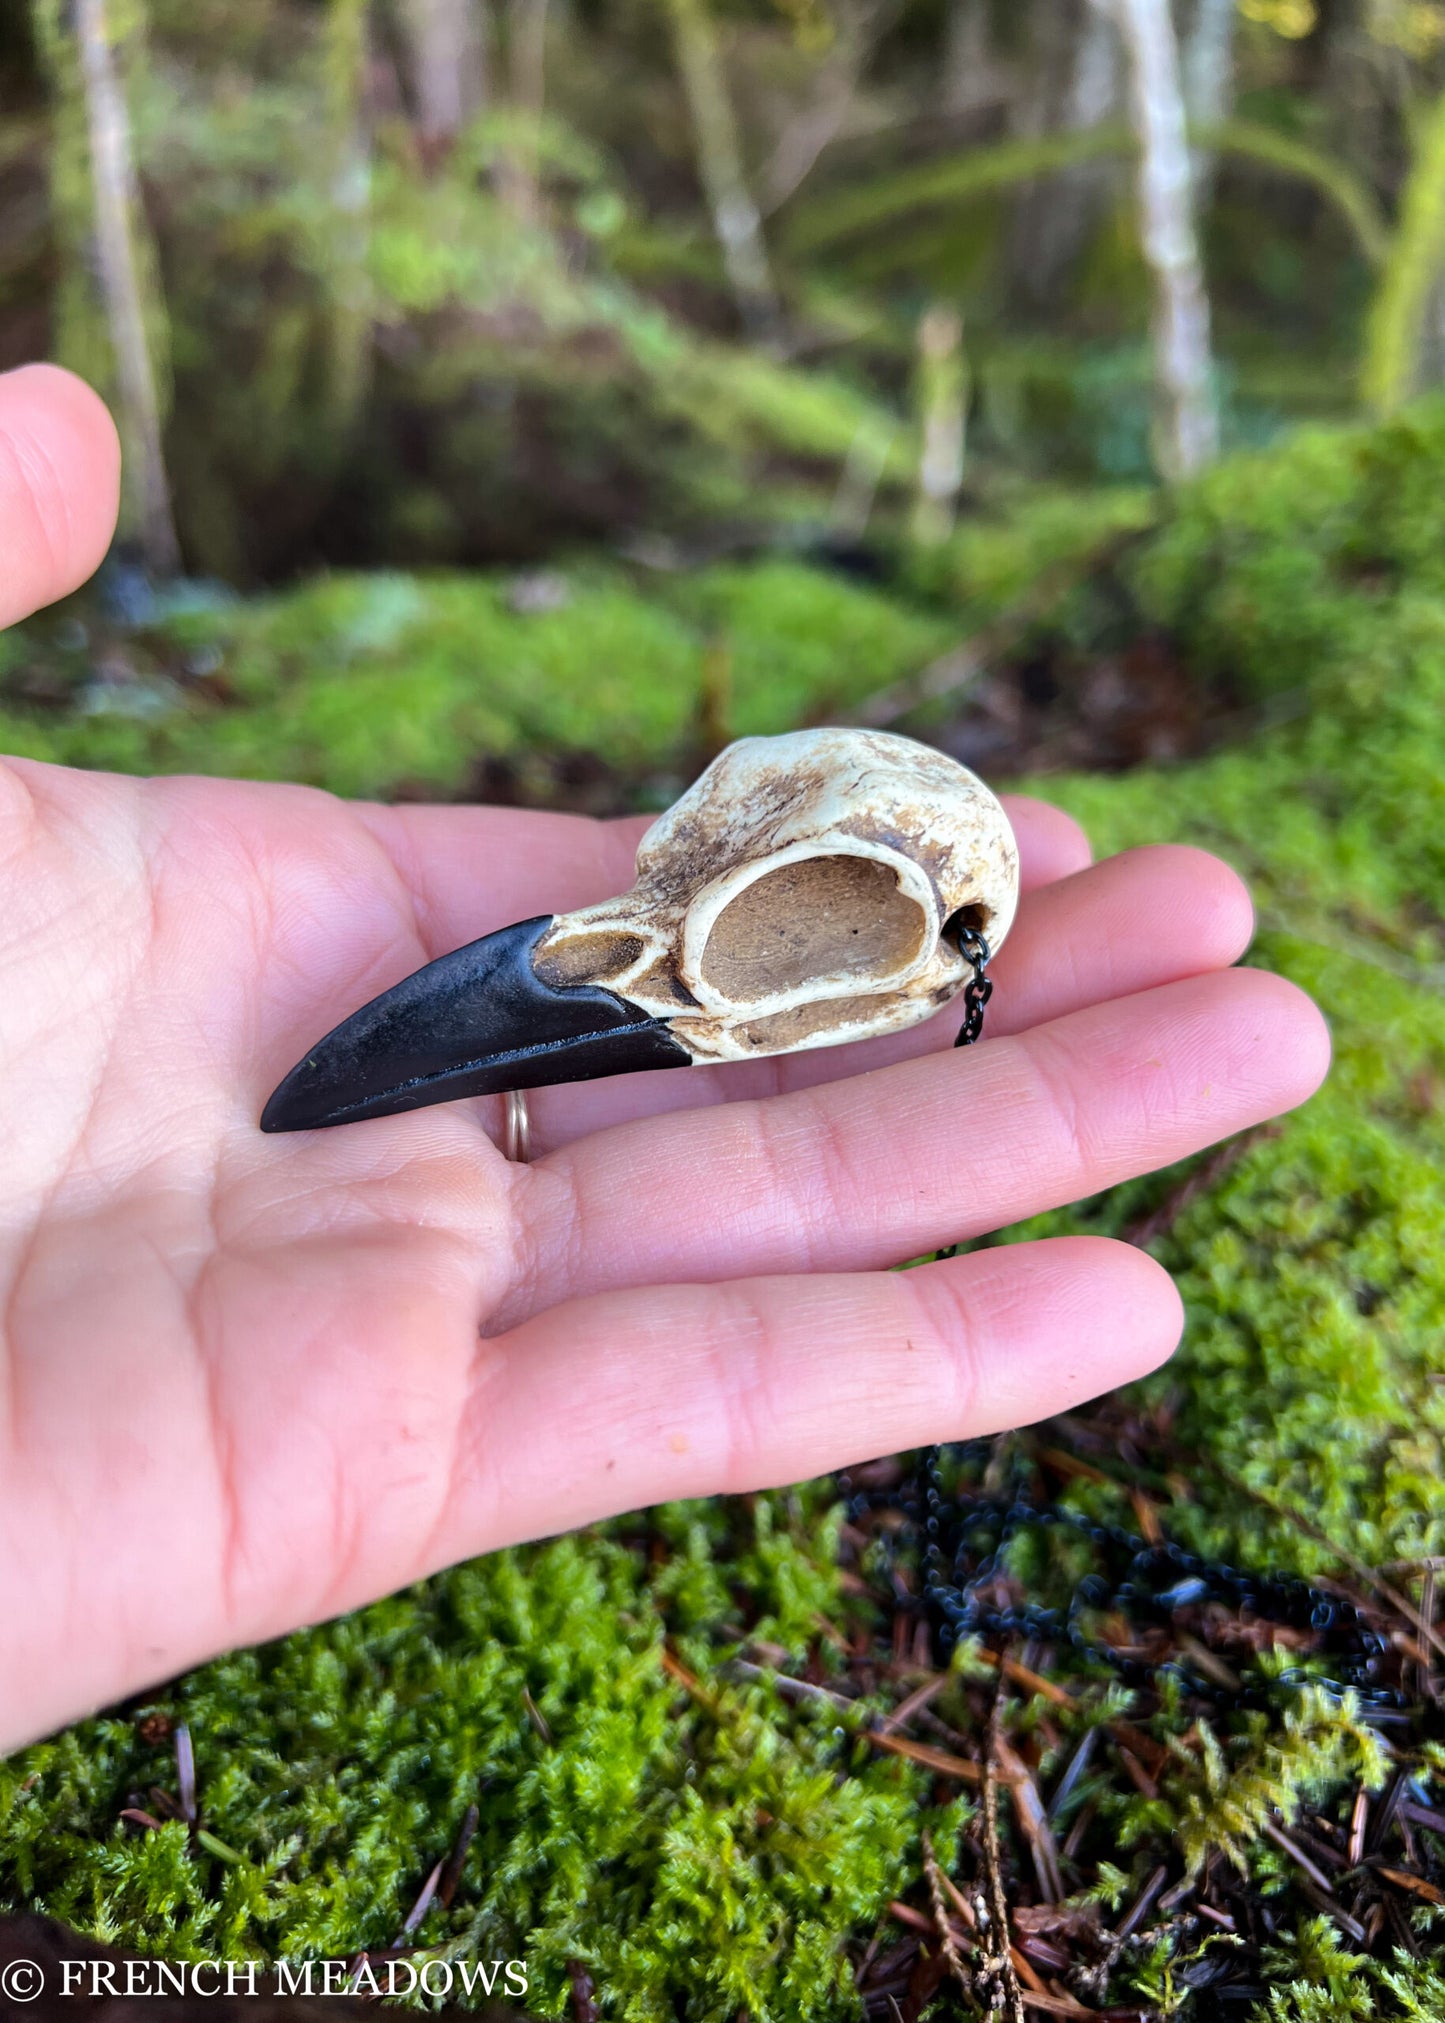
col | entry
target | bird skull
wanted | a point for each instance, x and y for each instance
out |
(798, 895)
(808, 890)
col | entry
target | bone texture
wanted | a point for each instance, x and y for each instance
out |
(796, 896)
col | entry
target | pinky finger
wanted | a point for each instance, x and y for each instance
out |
(626, 1399)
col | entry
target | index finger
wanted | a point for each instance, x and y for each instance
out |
(59, 486)
(470, 870)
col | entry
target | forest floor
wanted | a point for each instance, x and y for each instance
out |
(1161, 1693)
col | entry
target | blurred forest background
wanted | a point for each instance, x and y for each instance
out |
(922, 293)
(523, 397)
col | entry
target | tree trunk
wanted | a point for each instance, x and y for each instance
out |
(1207, 65)
(446, 44)
(348, 239)
(118, 260)
(942, 402)
(1188, 430)
(1077, 65)
(813, 126)
(970, 76)
(1396, 327)
(527, 89)
(720, 166)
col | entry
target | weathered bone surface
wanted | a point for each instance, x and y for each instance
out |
(797, 896)
(808, 890)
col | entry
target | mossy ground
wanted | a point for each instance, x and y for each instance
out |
(712, 1854)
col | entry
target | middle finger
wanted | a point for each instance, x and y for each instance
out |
(1144, 918)
(862, 1173)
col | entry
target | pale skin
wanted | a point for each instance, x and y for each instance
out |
(248, 1382)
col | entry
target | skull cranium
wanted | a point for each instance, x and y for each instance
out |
(809, 889)
(798, 895)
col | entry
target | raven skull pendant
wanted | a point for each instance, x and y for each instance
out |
(806, 891)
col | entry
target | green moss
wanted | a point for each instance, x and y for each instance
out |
(681, 1851)
(367, 683)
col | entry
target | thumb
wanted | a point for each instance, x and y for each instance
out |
(59, 486)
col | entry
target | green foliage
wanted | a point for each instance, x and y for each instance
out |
(1225, 1793)
(964, 178)
(366, 683)
(1321, 1981)
(711, 1854)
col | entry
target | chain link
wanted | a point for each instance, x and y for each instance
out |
(963, 1536)
(979, 988)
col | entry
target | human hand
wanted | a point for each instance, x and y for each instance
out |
(247, 1382)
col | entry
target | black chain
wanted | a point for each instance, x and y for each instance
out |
(1149, 1583)
(979, 988)
(964, 1535)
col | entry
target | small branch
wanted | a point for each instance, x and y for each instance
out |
(997, 1901)
(938, 1760)
(1159, 1221)
(420, 1908)
(456, 1860)
(940, 1916)
(186, 1774)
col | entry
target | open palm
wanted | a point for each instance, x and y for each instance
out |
(246, 1382)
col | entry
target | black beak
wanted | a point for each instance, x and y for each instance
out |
(476, 1022)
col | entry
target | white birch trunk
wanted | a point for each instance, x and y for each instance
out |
(1188, 430)
(1207, 64)
(117, 207)
(735, 218)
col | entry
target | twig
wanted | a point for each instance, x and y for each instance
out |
(1359, 1819)
(1422, 1815)
(457, 1859)
(940, 1913)
(929, 1759)
(537, 1718)
(915, 1920)
(784, 1683)
(1427, 1616)
(584, 1994)
(997, 1901)
(1139, 1909)
(1161, 1219)
(959, 1901)
(690, 1683)
(1416, 1884)
(1030, 1680)
(420, 1908)
(1077, 1765)
(186, 1773)
(915, 1702)
(1032, 1818)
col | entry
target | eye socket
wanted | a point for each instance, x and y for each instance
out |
(836, 916)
